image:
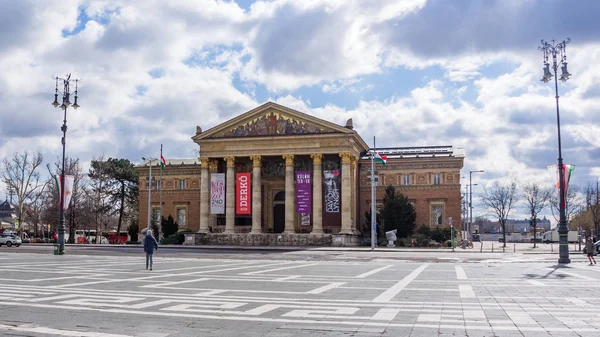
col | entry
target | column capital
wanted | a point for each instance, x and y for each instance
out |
(212, 165)
(347, 157)
(289, 159)
(256, 160)
(317, 158)
(204, 162)
(230, 161)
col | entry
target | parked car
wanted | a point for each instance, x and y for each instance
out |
(597, 244)
(9, 240)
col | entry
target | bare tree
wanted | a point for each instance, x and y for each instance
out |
(20, 175)
(75, 213)
(500, 199)
(35, 207)
(537, 199)
(575, 203)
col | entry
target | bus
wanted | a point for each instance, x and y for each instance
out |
(112, 237)
(89, 236)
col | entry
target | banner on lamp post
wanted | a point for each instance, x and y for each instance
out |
(69, 180)
(217, 193)
(243, 198)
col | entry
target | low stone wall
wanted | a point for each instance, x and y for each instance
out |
(265, 239)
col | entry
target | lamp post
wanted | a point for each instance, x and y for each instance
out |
(149, 160)
(65, 84)
(558, 51)
(470, 204)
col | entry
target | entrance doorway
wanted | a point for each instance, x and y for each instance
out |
(279, 212)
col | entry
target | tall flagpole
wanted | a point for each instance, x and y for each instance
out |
(160, 188)
(373, 215)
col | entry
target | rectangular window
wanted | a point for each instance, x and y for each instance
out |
(437, 179)
(181, 184)
(406, 179)
(181, 216)
(158, 185)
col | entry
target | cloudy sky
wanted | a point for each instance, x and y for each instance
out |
(412, 73)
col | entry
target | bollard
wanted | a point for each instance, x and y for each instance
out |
(481, 249)
(552, 247)
(514, 248)
(492, 247)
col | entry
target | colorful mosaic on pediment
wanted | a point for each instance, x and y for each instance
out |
(272, 124)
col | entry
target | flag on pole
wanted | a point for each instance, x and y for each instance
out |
(380, 159)
(69, 180)
(567, 172)
(163, 162)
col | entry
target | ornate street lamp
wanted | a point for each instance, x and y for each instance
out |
(470, 206)
(65, 84)
(149, 163)
(559, 58)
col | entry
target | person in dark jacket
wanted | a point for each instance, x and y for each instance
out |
(590, 249)
(149, 245)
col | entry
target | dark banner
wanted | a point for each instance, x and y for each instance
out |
(331, 192)
(303, 192)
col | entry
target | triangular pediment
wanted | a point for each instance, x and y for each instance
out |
(271, 119)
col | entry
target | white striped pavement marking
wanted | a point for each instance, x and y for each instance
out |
(369, 273)
(460, 273)
(282, 268)
(394, 290)
(56, 332)
(325, 288)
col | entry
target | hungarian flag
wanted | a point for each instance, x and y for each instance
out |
(380, 159)
(163, 162)
(567, 172)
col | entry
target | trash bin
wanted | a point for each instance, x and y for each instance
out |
(453, 244)
(391, 237)
(56, 249)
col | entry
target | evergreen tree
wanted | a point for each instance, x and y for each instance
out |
(398, 213)
(169, 226)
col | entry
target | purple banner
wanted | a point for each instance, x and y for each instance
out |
(303, 192)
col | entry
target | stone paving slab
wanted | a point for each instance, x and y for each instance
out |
(107, 295)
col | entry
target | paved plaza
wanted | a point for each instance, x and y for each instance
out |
(113, 295)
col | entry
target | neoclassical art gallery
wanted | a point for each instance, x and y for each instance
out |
(275, 170)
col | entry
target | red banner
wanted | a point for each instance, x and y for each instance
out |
(243, 198)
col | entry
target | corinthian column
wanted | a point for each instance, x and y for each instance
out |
(256, 196)
(230, 196)
(204, 197)
(346, 193)
(289, 193)
(317, 196)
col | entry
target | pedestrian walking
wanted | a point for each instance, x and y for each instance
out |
(590, 249)
(150, 245)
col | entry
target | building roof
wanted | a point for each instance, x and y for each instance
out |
(418, 152)
(175, 162)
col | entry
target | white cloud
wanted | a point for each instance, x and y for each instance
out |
(217, 60)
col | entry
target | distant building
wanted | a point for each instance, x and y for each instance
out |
(248, 178)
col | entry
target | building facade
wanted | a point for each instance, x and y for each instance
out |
(278, 170)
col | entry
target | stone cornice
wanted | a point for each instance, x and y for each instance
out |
(416, 187)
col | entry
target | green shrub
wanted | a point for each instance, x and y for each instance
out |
(404, 242)
(425, 230)
(425, 243)
(175, 239)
